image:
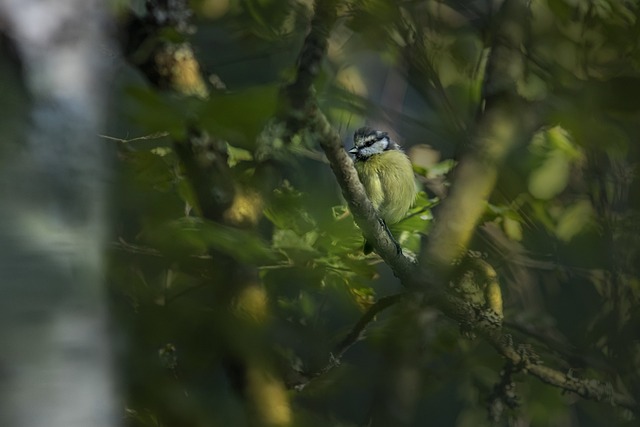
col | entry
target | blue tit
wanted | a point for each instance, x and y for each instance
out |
(387, 176)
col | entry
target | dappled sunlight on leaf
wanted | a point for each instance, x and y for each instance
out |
(574, 219)
(553, 153)
(551, 177)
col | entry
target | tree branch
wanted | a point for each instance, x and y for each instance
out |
(56, 363)
(505, 122)
(298, 94)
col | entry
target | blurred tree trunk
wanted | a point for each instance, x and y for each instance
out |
(55, 366)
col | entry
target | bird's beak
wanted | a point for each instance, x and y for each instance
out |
(354, 150)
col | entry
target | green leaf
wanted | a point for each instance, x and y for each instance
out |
(151, 170)
(418, 219)
(270, 17)
(237, 155)
(574, 219)
(340, 236)
(512, 228)
(559, 139)
(238, 117)
(286, 210)
(195, 236)
(440, 169)
(552, 153)
(416, 222)
(158, 112)
(551, 178)
(299, 249)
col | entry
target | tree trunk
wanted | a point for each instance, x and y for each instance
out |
(55, 363)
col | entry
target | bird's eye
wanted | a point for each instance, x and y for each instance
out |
(370, 140)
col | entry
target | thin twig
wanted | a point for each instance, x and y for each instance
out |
(156, 135)
(354, 335)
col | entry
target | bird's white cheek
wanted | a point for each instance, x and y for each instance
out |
(376, 148)
(367, 151)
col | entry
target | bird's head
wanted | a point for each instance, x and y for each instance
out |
(369, 142)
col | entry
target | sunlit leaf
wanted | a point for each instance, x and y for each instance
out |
(512, 228)
(440, 169)
(237, 155)
(297, 248)
(553, 152)
(574, 219)
(551, 178)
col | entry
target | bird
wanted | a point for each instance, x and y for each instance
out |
(387, 176)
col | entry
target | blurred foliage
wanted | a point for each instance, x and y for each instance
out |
(561, 229)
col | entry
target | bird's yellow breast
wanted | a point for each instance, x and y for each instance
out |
(388, 180)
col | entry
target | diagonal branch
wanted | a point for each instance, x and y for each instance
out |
(505, 122)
